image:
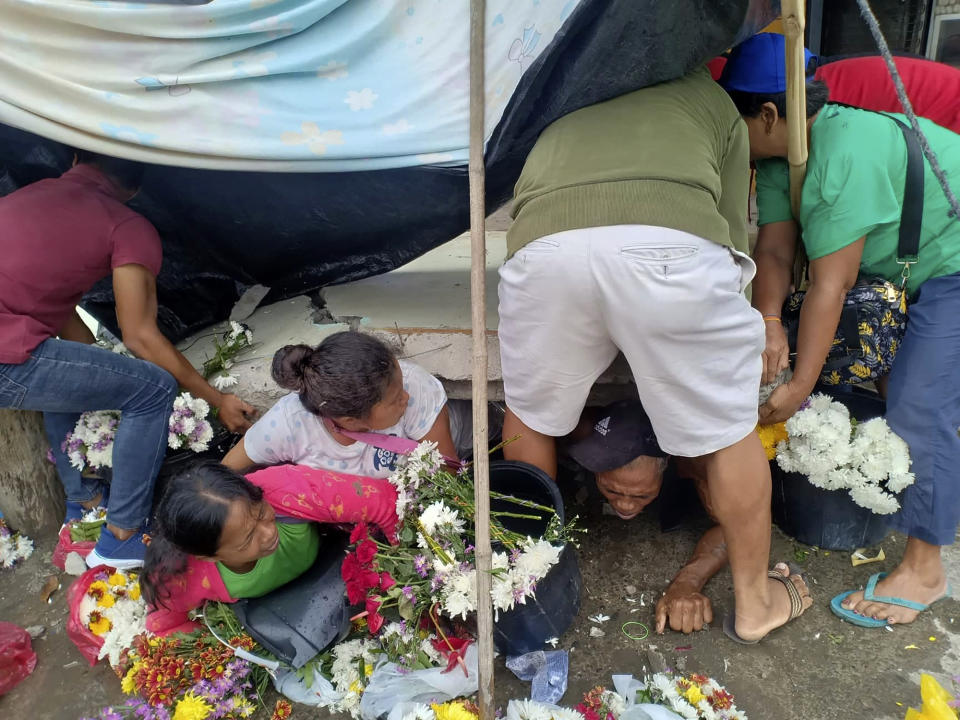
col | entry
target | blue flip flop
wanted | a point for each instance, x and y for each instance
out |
(868, 594)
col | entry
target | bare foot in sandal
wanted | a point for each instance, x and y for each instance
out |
(789, 598)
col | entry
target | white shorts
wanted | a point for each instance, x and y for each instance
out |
(672, 302)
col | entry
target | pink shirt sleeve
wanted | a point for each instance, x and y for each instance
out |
(136, 242)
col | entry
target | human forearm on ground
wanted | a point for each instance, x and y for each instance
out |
(709, 558)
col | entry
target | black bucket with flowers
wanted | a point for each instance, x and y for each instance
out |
(839, 473)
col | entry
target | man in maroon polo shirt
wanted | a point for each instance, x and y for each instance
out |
(60, 236)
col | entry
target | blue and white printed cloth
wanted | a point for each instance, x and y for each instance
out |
(286, 85)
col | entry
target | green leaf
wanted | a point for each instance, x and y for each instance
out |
(405, 608)
(406, 535)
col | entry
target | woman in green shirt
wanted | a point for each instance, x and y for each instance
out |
(850, 218)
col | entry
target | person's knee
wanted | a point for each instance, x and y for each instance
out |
(166, 387)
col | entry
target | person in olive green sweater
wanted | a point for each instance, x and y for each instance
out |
(629, 236)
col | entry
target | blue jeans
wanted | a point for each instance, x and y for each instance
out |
(923, 407)
(63, 379)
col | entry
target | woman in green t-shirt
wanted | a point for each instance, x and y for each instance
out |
(850, 218)
(219, 535)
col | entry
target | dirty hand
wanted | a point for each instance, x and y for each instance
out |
(776, 354)
(235, 414)
(782, 404)
(684, 607)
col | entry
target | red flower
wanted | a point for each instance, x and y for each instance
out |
(374, 619)
(359, 533)
(588, 713)
(386, 582)
(453, 649)
(369, 579)
(282, 710)
(366, 552)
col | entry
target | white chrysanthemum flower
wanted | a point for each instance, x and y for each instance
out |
(528, 710)
(566, 714)
(458, 604)
(437, 515)
(615, 702)
(502, 594)
(24, 548)
(537, 557)
(875, 499)
(236, 330)
(427, 648)
(900, 481)
(174, 441)
(419, 712)
(224, 380)
(706, 711)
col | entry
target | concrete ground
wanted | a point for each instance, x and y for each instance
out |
(818, 668)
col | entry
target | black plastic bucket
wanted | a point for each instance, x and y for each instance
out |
(828, 519)
(527, 627)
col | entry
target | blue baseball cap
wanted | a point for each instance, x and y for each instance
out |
(758, 65)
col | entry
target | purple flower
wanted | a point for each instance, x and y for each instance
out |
(420, 565)
(110, 714)
(50, 457)
(435, 583)
(514, 555)
(409, 594)
(469, 549)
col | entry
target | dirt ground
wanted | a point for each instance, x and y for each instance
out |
(818, 668)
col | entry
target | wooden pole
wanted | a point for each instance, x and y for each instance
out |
(478, 307)
(31, 495)
(793, 25)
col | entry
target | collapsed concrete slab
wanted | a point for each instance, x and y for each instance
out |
(422, 310)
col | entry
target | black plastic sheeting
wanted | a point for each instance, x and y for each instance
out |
(295, 233)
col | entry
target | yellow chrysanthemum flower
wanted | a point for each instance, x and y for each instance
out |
(770, 436)
(106, 601)
(693, 695)
(97, 587)
(242, 707)
(117, 580)
(368, 669)
(452, 711)
(192, 707)
(356, 688)
(128, 684)
(99, 625)
(133, 592)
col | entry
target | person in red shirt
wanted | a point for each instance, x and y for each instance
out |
(60, 236)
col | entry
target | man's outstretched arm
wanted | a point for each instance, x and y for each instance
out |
(683, 606)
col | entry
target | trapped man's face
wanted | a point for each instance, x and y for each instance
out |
(630, 488)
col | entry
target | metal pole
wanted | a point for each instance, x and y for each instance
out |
(478, 307)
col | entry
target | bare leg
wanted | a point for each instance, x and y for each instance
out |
(531, 446)
(919, 577)
(739, 483)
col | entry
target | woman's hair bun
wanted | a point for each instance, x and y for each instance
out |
(288, 366)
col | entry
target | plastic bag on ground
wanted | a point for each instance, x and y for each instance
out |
(17, 658)
(547, 670)
(87, 643)
(393, 691)
(65, 546)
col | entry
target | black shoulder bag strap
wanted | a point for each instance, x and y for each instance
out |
(911, 215)
(908, 245)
